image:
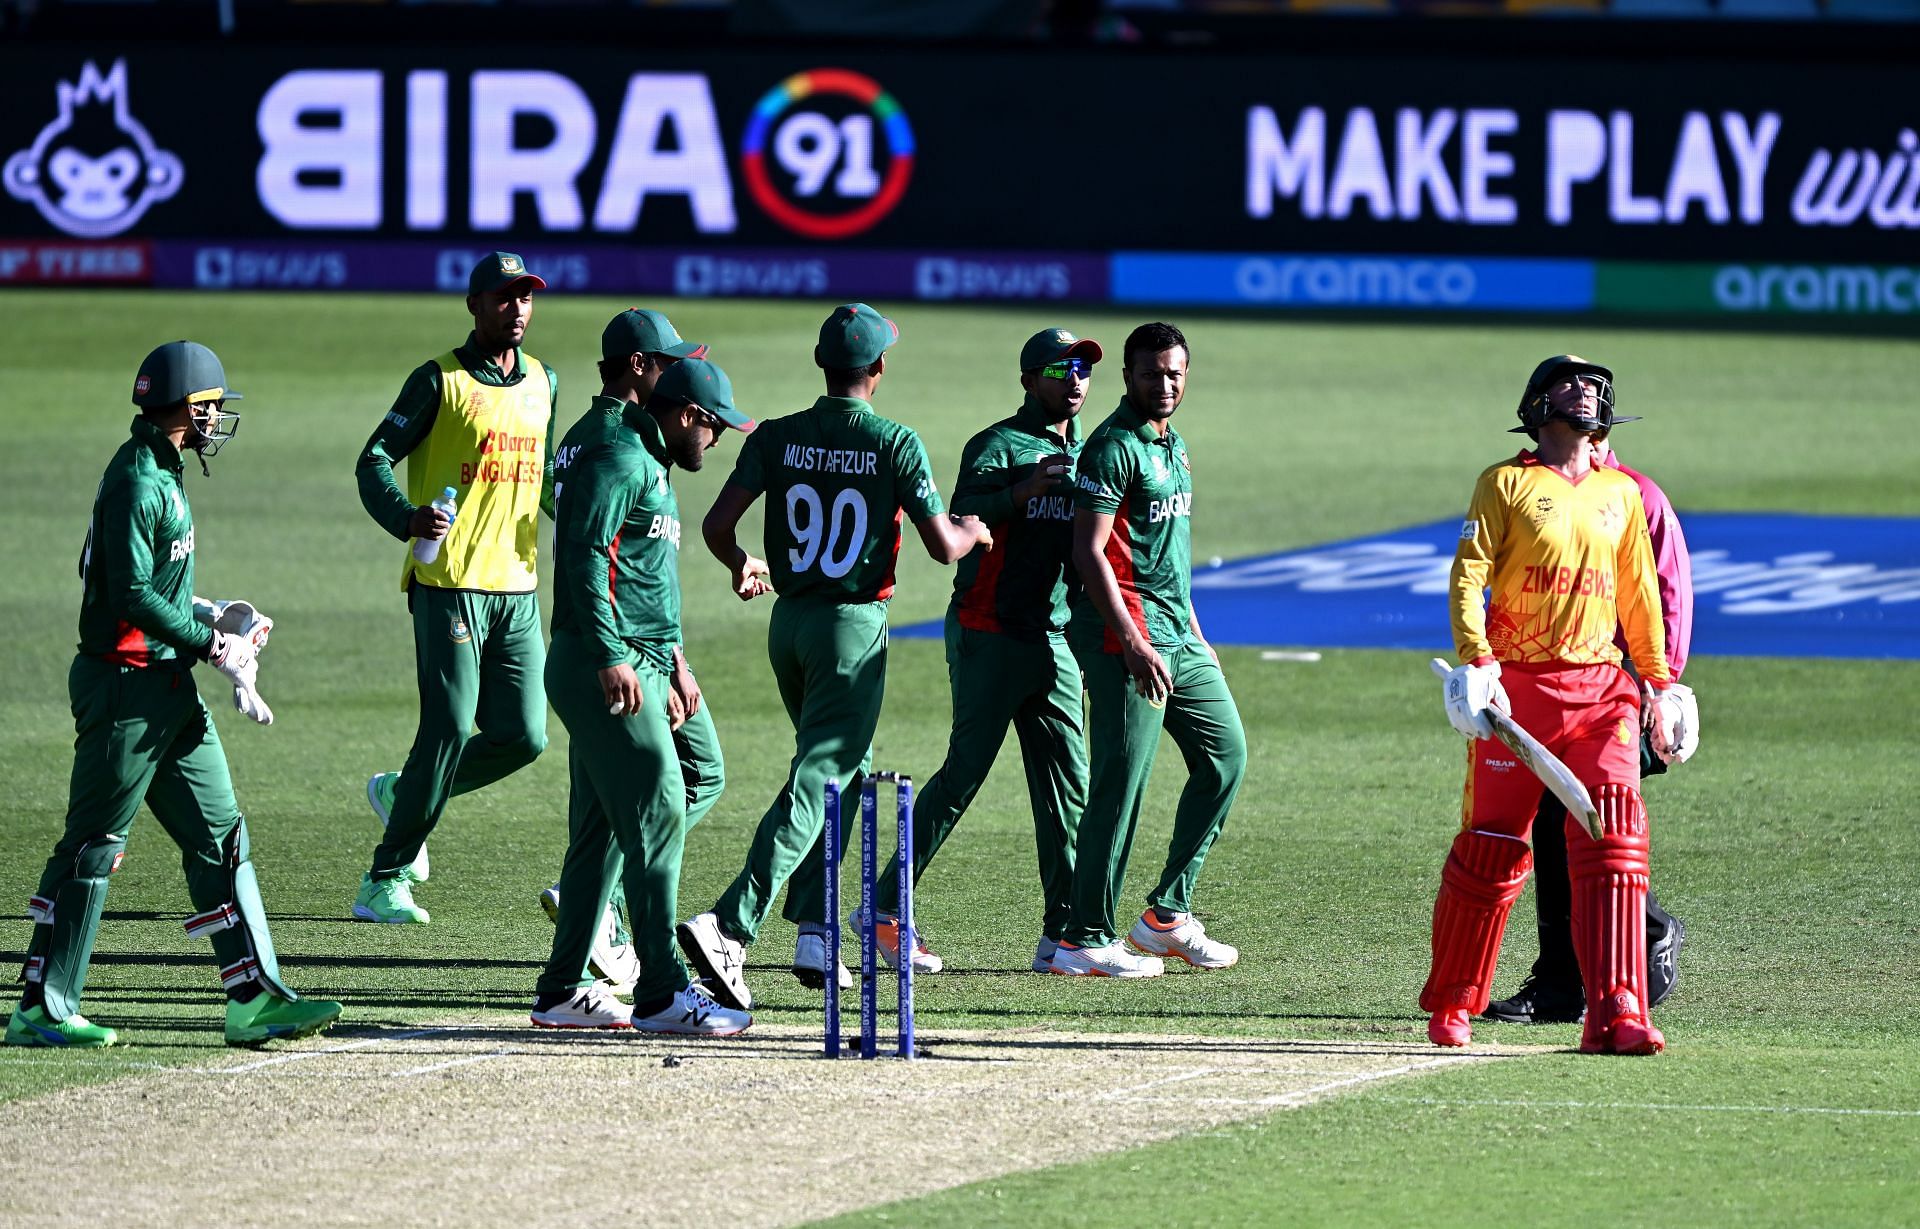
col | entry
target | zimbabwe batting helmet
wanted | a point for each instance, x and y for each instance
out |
(1536, 408)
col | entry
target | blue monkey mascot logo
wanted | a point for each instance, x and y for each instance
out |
(93, 171)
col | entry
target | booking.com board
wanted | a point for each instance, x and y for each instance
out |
(1764, 586)
(1294, 182)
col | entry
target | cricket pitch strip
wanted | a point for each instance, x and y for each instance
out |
(480, 1125)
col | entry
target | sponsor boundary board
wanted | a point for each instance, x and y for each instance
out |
(1765, 585)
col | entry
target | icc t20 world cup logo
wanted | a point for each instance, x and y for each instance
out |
(93, 171)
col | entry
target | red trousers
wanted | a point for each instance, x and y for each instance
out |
(1589, 716)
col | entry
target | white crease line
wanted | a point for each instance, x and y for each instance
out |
(1307, 1094)
(1128, 1091)
(1651, 1105)
(300, 1055)
(294, 1056)
(453, 1062)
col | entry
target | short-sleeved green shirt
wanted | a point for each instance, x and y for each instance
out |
(837, 478)
(1145, 480)
(617, 539)
(1021, 587)
(136, 570)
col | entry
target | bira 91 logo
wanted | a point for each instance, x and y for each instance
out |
(93, 170)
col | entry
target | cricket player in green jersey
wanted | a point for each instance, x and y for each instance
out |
(610, 676)
(476, 419)
(141, 731)
(1147, 667)
(636, 347)
(1007, 655)
(838, 478)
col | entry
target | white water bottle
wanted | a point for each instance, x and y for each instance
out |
(426, 550)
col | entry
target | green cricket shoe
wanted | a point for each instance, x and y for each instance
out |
(380, 788)
(268, 1017)
(388, 900)
(31, 1026)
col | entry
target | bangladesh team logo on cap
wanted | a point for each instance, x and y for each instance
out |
(93, 170)
(512, 265)
(828, 153)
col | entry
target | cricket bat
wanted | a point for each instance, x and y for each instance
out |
(1541, 762)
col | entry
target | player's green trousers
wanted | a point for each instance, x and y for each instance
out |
(830, 664)
(1123, 735)
(626, 819)
(999, 681)
(697, 743)
(143, 734)
(478, 659)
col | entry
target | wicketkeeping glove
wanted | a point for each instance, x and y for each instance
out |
(1470, 690)
(238, 617)
(233, 655)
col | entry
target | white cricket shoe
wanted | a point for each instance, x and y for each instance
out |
(886, 938)
(810, 962)
(693, 1014)
(1043, 954)
(1112, 960)
(587, 1007)
(1184, 938)
(380, 798)
(721, 960)
(611, 961)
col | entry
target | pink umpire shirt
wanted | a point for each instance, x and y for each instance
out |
(1675, 567)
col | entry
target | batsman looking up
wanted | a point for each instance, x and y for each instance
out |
(636, 349)
(475, 419)
(1551, 993)
(838, 478)
(1147, 667)
(1562, 547)
(1007, 655)
(142, 732)
(612, 678)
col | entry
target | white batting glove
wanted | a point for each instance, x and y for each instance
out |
(1470, 691)
(233, 656)
(1673, 722)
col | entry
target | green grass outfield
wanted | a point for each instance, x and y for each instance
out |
(1790, 1093)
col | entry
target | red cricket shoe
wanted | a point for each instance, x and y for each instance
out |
(1628, 1030)
(1450, 1027)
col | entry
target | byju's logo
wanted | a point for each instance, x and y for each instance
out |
(93, 171)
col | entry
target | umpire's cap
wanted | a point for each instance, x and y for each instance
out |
(181, 371)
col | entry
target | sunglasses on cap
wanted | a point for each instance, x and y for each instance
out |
(1075, 368)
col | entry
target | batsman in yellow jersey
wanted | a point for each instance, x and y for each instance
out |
(1559, 549)
(477, 419)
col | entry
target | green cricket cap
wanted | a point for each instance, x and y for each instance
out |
(639, 331)
(181, 371)
(704, 384)
(1052, 345)
(500, 269)
(853, 336)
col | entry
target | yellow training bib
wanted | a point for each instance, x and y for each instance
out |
(489, 444)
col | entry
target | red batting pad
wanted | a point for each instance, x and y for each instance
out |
(1482, 878)
(1609, 912)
